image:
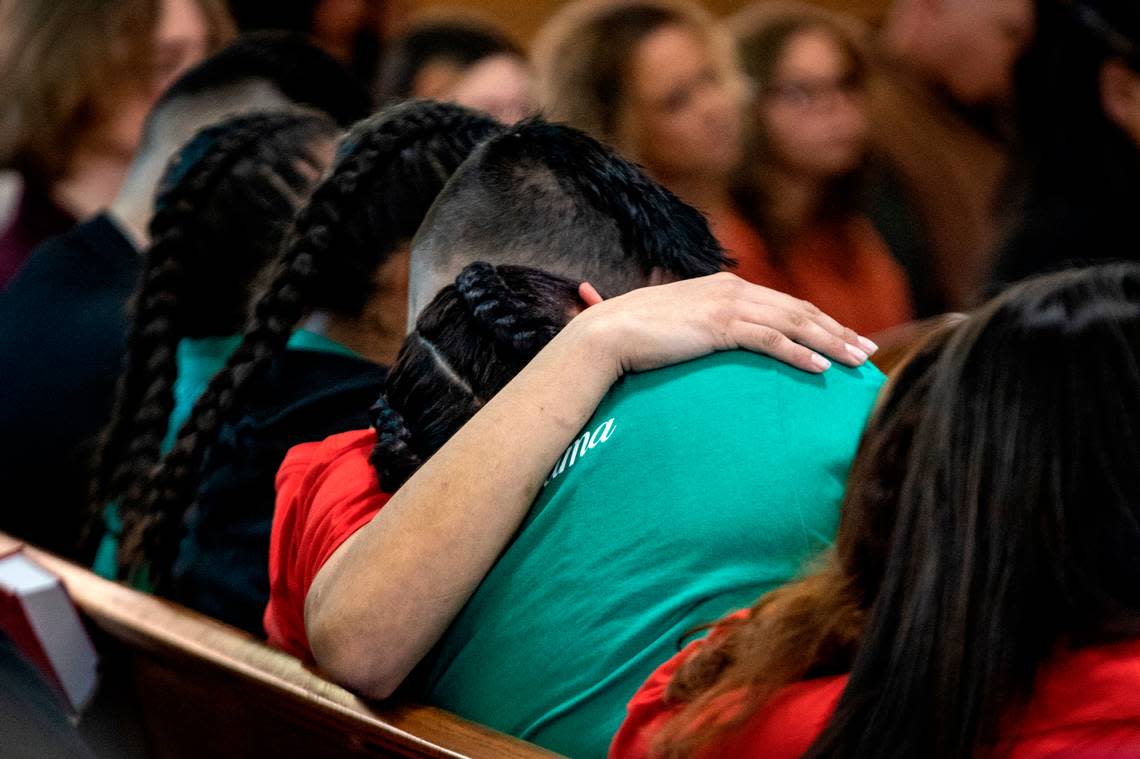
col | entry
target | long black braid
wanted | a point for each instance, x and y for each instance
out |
(221, 211)
(473, 338)
(388, 171)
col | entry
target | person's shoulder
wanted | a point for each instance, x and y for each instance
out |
(80, 259)
(345, 449)
(730, 368)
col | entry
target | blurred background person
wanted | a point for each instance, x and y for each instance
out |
(460, 59)
(63, 320)
(939, 101)
(1078, 98)
(78, 80)
(658, 80)
(801, 183)
(352, 31)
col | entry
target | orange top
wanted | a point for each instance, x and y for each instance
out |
(845, 269)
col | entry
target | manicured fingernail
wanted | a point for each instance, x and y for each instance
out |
(858, 354)
(820, 361)
(868, 346)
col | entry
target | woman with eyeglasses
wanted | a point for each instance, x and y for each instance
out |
(799, 188)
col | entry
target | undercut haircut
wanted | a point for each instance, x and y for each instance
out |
(550, 197)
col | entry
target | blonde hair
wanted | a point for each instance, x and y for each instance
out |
(582, 55)
(63, 68)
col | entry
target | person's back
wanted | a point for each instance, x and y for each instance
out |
(63, 320)
(982, 596)
(309, 364)
(691, 491)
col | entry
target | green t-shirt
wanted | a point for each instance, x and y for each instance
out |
(692, 491)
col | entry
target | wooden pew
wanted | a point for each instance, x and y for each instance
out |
(896, 344)
(208, 690)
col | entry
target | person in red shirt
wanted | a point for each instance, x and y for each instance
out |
(983, 596)
(468, 343)
(800, 188)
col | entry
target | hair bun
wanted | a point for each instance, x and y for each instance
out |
(501, 311)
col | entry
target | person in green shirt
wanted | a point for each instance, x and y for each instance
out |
(690, 492)
(699, 487)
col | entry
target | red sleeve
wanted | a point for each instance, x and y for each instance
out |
(325, 492)
(784, 728)
(647, 711)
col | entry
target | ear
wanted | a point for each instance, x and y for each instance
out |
(589, 294)
(1120, 97)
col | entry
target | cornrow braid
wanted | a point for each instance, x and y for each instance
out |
(245, 165)
(392, 456)
(469, 342)
(656, 228)
(388, 172)
(501, 311)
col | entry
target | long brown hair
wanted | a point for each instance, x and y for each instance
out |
(808, 628)
(763, 32)
(64, 66)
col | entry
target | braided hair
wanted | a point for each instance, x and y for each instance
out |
(221, 211)
(388, 171)
(469, 342)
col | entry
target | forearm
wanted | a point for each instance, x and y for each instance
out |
(373, 612)
(387, 595)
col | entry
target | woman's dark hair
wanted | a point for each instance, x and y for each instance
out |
(388, 171)
(763, 38)
(288, 61)
(473, 338)
(1001, 522)
(810, 627)
(1018, 520)
(303, 16)
(221, 212)
(459, 41)
(1079, 170)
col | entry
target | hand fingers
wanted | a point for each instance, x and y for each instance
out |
(797, 326)
(767, 296)
(763, 339)
(589, 294)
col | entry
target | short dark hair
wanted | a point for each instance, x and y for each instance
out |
(463, 42)
(549, 196)
(301, 72)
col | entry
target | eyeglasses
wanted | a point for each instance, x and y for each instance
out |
(813, 93)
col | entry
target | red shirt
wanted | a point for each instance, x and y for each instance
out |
(1086, 704)
(844, 269)
(326, 491)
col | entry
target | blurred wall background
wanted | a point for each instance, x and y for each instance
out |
(522, 18)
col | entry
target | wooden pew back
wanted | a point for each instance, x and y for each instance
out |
(208, 690)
